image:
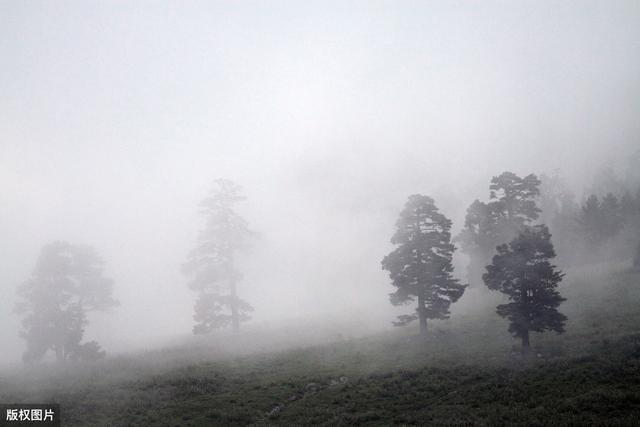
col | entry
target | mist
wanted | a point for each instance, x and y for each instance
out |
(116, 117)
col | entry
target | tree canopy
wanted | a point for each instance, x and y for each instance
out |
(66, 284)
(420, 266)
(211, 265)
(523, 272)
(512, 206)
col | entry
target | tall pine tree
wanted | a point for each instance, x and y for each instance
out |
(420, 266)
(522, 270)
(511, 207)
(211, 265)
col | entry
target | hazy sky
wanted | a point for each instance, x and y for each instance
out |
(115, 116)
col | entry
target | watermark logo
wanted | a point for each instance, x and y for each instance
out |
(28, 414)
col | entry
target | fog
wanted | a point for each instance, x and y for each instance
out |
(116, 117)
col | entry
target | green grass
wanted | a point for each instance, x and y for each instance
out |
(466, 372)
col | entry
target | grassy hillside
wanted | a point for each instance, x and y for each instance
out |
(467, 372)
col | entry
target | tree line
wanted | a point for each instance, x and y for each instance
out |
(506, 239)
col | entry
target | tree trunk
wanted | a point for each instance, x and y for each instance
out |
(422, 314)
(235, 318)
(525, 343)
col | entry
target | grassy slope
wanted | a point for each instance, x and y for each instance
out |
(465, 373)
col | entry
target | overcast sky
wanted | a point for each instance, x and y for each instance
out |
(115, 117)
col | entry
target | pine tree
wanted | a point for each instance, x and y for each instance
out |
(514, 198)
(66, 284)
(511, 207)
(420, 266)
(211, 264)
(522, 271)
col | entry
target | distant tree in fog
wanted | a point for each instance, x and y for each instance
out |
(420, 266)
(612, 219)
(606, 181)
(478, 237)
(555, 197)
(605, 227)
(602, 221)
(591, 221)
(512, 206)
(66, 284)
(515, 197)
(559, 212)
(211, 265)
(636, 257)
(522, 270)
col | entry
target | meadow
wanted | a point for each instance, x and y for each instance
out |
(468, 371)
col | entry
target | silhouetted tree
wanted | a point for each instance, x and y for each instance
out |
(512, 206)
(420, 266)
(636, 257)
(65, 285)
(211, 264)
(515, 199)
(522, 271)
